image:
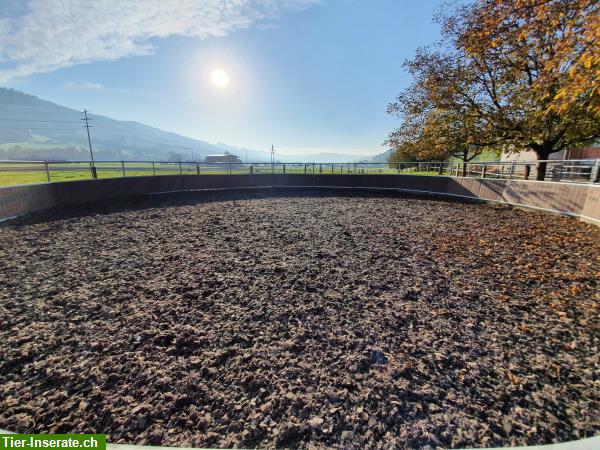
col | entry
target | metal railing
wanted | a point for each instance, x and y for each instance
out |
(571, 170)
(20, 172)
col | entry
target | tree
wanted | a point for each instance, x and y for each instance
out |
(439, 121)
(510, 75)
(174, 156)
(556, 42)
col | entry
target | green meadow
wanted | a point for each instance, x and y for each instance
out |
(28, 173)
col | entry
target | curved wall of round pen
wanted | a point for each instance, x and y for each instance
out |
(573, 199)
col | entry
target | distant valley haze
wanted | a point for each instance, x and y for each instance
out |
(35, 129)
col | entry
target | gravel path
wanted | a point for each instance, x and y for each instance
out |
(299, 320)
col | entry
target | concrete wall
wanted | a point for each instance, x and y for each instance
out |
(579, 200)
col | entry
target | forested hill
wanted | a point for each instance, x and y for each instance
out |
(32, 128)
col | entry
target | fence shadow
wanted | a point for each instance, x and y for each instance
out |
(190, 198)
(561, 198)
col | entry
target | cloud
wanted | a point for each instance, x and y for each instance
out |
(55, 34)
(84, 85)
(326, 151)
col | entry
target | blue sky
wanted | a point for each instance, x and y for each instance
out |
(306, 75)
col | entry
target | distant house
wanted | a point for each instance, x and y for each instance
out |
(589, 152)
(227, 158)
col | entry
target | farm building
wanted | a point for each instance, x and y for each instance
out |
(227, 158)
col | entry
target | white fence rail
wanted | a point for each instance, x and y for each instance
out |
(573, 170)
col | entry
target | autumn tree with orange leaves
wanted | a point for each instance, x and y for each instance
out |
(508, 75)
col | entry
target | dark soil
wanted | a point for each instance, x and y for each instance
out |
(299, 320)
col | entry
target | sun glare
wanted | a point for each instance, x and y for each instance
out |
(219, 78)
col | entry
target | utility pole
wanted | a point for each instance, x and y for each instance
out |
(272, 159)
(87, 126)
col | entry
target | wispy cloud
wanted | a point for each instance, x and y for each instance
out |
(55, 34)
(84, 85)
(327, 151)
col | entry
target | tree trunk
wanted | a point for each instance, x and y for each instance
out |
(542, 152)
(541, 170)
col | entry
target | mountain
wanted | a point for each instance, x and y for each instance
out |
(36, 129)
(380, 158)
(320, 157)
(31, 128)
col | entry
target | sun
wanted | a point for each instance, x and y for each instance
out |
(219, 78)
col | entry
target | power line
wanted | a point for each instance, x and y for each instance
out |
(5, 108)
(188, 148)
(24, 115)
(39, 128)
(49, 111)
(22, 111)
(87, 127)
(35, 120)
(34, 106)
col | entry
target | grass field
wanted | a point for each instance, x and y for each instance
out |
(27, 173)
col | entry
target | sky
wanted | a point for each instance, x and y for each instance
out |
(308, 76)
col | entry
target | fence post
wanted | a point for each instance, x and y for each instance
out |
(180, 169)
(284, 168)
(441, 171)
(527, 172)
(94, 171)
(595, 175)
(153, 168)
(304, 169)
(483, 167)
(512, 170)
(123, 167)
(47, 170)
(197, 169)
(560, 170)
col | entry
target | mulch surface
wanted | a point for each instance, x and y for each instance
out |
(299, 320)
